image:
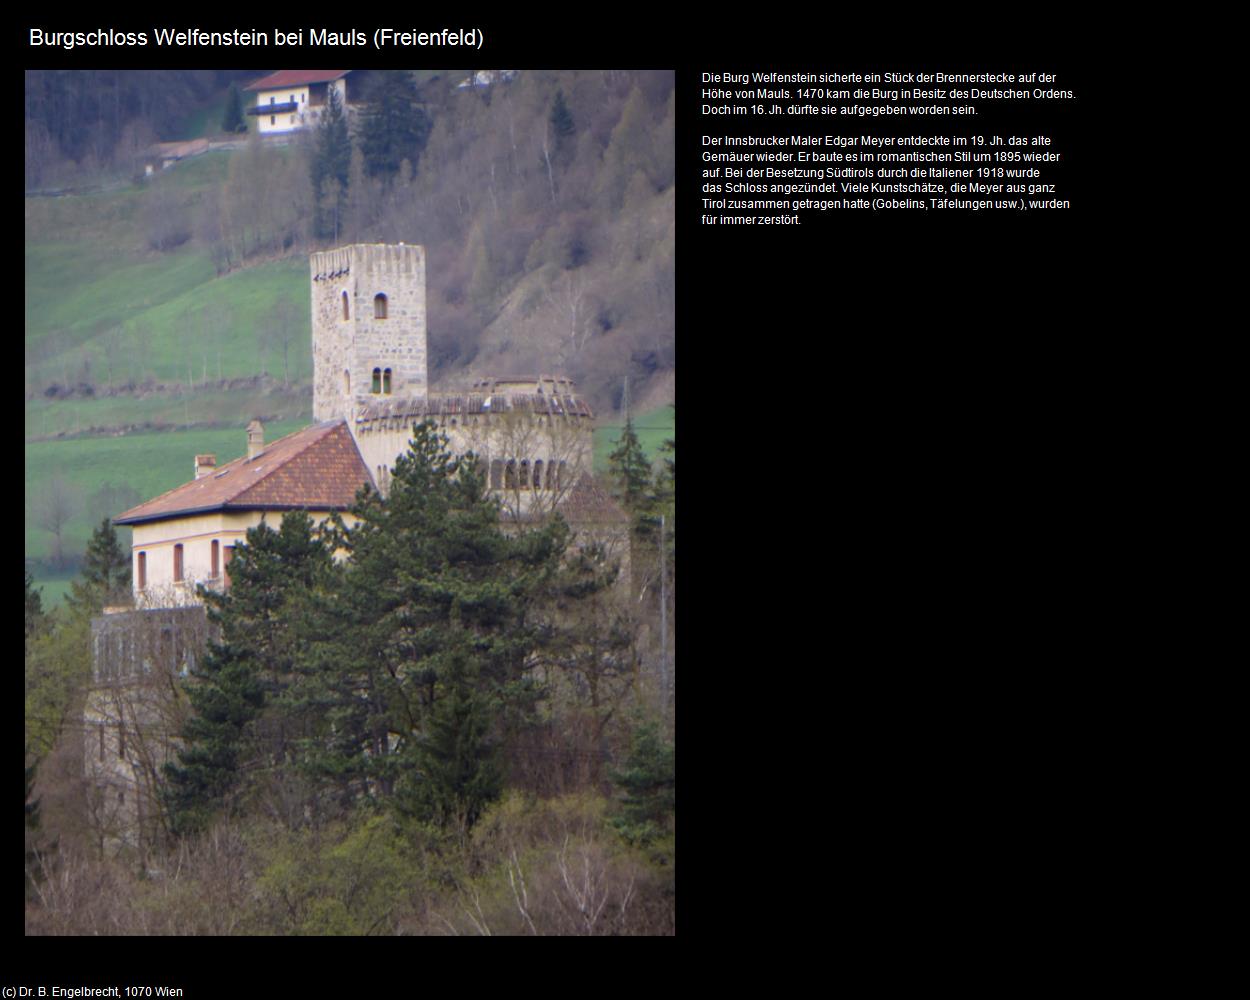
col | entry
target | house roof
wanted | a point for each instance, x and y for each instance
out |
(296, 78)
(318, 468)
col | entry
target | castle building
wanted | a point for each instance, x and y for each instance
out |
(531, 434)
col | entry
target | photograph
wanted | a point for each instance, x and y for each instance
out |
(350, 445)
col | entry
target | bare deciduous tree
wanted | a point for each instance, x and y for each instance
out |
(58, 504)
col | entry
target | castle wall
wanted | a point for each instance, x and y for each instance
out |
(346, 350)
(134, 713)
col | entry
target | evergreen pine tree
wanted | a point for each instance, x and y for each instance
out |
(561, 119)
(393, 125)
(105, 576)
(248, 669)
(648, 781)
(456, 771)
(232, 120)
(630, 475)
(330, 165)
(436, 603)
(34, 609)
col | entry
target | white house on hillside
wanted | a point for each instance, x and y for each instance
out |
(292, 99)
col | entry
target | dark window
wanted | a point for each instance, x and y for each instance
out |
(178, 563)
(525, 473)
(272, 120)
(121, 740)
(142, 571)
(509, 474)
(377, 380)
(496, 474)
(229, 556)
(538, 474)
(101, 728)
(379, 306)
(216, 559)
(345, 311)
(386, 381)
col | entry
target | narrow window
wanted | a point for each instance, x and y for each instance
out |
(178, 563)
(379, 306)
(101, 728)
(141, 571)
(273, 120)
(347, 382)
(538, 474)
(386, 382)
(226, 572)
(525, 473)
(345, 311)
(496, 474)
(377, 380)
(121, 740)
(509, 474)
(560, 476)
(216, 559)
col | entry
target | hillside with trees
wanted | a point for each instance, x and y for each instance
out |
(456, 728)
(178, 305)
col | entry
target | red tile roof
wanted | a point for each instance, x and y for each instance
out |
(296, 78)
(318, 468)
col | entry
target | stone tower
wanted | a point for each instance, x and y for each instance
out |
(368, 327)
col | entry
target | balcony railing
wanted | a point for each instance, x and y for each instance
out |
(274, 109)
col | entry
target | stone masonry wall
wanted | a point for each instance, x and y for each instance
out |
(351, 348)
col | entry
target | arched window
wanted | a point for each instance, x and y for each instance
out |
(178, 563)
(379, 306)
(538, 474)
(345, 312)
(525, 473)
(496, 476)
(386, 381)
(377, 381)
(509, 474)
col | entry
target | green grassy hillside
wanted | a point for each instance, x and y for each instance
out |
(90, 469)
(163, 345)
(653, 428)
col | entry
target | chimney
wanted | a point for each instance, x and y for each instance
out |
(255, 439)
(204, 465)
